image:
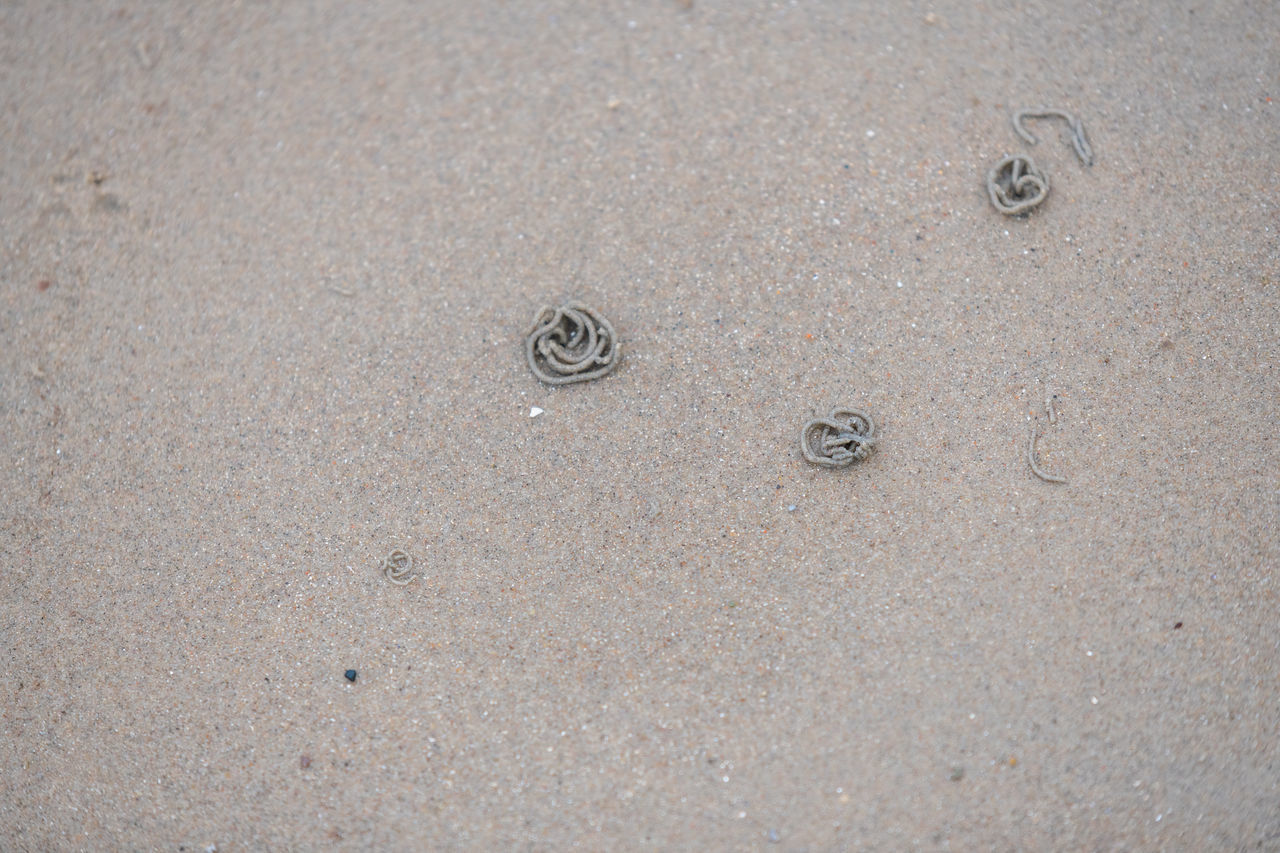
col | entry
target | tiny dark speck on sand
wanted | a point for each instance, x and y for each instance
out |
(304, 762)
(957, 773)
(350, 674)
(1177, 625)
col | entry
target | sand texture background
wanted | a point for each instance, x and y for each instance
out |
(266, 270)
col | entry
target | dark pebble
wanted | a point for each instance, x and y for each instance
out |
(304, 762)
(350, 674)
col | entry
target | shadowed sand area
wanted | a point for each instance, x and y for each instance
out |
(265, 278)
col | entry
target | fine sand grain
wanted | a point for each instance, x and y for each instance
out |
(265, 275)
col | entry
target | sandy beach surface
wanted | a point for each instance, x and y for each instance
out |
(265, 275)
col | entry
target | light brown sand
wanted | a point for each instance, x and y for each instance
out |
(621, 636)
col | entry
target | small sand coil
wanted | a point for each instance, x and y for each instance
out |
(398, 567)
(1015, 185)
(1078, 140)
(572, 343)
(839, 439)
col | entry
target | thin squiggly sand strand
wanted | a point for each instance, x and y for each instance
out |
(1078, 140)
(1031, 460)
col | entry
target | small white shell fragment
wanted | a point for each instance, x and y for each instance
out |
(534, 411)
